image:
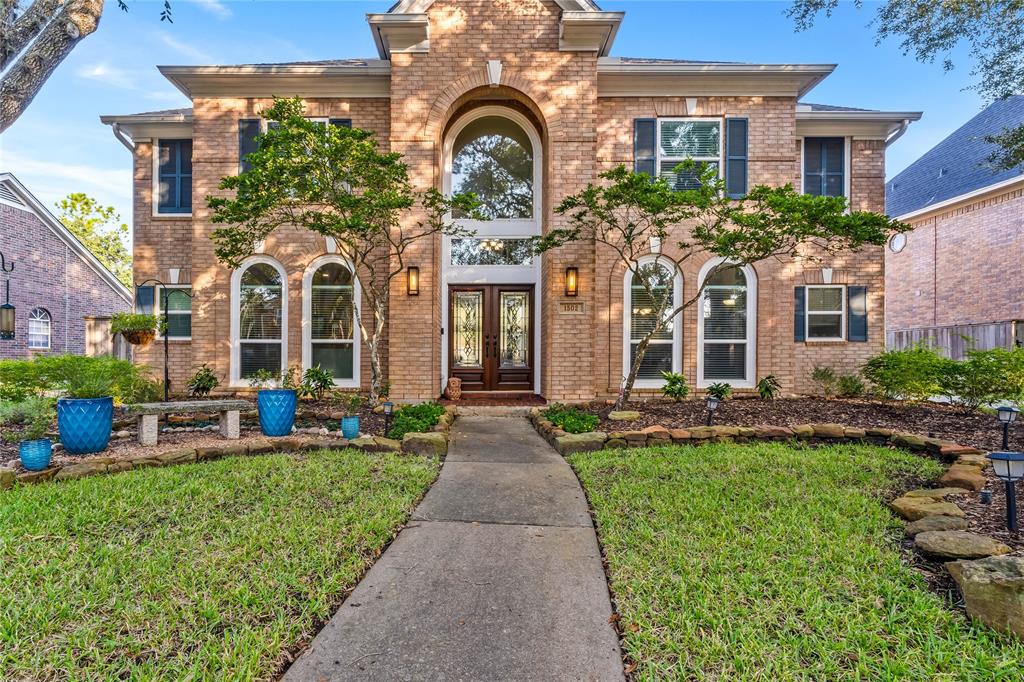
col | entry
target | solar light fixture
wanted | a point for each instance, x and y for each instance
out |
(389, 408)
(1009, 468)
(713, 402)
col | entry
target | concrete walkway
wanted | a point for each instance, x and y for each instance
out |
(497, 577)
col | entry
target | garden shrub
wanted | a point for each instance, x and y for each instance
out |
(912, 373)
(316, 382)
(203, 381)
(675, 386)
(983, 378)
(722, 391)
(571, 419)
(76, 376)
(850, 386)
(768, 387)
(827, 381)
(418, 418)
(32, 416)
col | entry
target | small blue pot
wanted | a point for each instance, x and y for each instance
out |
(350, 427)
(35, 454)
(84, 424)
(277, 411)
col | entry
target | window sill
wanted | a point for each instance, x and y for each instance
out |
(172, 216)
(811, 342)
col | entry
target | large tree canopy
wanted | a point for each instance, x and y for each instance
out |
(930, 29)
(100, 229)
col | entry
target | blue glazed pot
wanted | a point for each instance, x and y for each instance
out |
(277, 411)
(350, 427)
(35, 454)
(84, 424)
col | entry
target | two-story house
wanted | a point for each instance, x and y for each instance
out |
(536, 76)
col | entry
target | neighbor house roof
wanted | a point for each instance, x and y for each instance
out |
(958, 165)
(13, 193)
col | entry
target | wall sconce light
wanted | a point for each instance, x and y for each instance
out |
(413, 281)
(572, 281)
(7, 310)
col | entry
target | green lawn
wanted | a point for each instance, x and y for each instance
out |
(202, 571)
(775, 562)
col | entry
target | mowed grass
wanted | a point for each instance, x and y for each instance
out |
(775, 562)
(207, 571)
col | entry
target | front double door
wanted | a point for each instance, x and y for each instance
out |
(491, 341)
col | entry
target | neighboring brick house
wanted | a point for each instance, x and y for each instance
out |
(957, 280)
(534, 76)
(56, 283)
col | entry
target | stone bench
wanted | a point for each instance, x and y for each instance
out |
(149, 415)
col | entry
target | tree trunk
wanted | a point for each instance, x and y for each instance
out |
(52, 44)
(376, 370)
(627, 387)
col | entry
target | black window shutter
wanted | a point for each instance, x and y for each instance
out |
(857, 313)
(645, 149)
(799, 314)
(736, 157)
(341, 122)
(248, 129)
(144, 300)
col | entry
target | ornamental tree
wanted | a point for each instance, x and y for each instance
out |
(336, 182)
(631, 211)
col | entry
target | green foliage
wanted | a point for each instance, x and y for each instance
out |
(850, 386)
(132, 322)
(263, 379)
(351, 402)
(675, 386)
(911, 374)
(768, 387)
(722, 391)
(34, 417)
(100, 229)
(316, 382)
(827, 381)
(203, 382)
(76, 376)
(984, 377)
(571, 419)
(418, 418)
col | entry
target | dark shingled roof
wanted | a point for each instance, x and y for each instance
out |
(958, 164)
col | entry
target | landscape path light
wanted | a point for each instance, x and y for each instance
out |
(389, 408)
(1007, 415)
(1009, 468)
(713, 402)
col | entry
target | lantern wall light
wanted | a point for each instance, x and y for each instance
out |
(572, 281)
(7, 318)
(413, 281)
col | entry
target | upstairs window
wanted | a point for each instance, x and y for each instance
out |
(824, 166)
(174, 176)
(682, 139)
(39, 329)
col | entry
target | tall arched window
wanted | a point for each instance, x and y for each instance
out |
(259, 314)
(39, 328)
(330, 333)
(493, 158)
(727, 326)
(652, 291)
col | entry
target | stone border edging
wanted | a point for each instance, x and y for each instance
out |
(429, 444)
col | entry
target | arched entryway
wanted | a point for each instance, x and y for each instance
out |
(490, 308)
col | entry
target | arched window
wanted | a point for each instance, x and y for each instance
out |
(330, 331)
(727, 326)
(652, 291)
(39, 327)
(493, 158)
(259, 315)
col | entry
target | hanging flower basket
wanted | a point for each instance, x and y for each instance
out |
(137, 329)
(139, 337)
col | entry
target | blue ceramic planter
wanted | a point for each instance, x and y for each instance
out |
(84, 424)
(350, 427)
(277, 411)
(35, 454)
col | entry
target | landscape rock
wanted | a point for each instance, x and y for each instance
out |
(724, 431)
(878, 433)
(613, 443)
(38, 476)
(701, 433)
(935, 493)
(362, 443)
(829, 430)
(958, 544)
(382, 444)
(580, 442)
(82, 470)
(746, 431)
(909, 441)
(657, 433)
(678, 435)
(803, 431)
(773, 432)
(123, 465)
(635, 438)
(286, 444)
(623, 415)
(993, 591)
(261, 446)
(932, 523)
(977, 460)
(177, 456)
(7, 478)
(425, 444)
(853, 432)
(914, 508)
(963, 476)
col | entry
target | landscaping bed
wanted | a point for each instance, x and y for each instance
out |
(196, 571)
(775, 561)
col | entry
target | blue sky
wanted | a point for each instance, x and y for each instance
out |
(59, 146)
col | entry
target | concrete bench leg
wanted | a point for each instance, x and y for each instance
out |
(229, 424)
(149, 428)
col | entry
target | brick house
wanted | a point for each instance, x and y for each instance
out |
(534, 77)
(960, 272)
(57, 286)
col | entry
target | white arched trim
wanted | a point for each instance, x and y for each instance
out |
(307, 317)
(627, 318)
(236, 286)
(751, 341)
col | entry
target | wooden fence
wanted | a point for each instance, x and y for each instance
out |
(99, 340)
(956, 340)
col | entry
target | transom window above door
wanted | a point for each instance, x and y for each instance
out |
(492, 157)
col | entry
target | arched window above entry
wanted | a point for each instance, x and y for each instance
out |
(492, 157)
(727, 325)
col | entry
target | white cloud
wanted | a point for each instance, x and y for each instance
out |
(51, 181)
(189, 51)
(214, 7)
(111, 75)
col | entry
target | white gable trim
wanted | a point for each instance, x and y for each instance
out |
(34, 206)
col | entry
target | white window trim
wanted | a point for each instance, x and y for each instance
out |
(158, 310)
(842, 314)
(751, 340)
(659, 157)
(847, 160)
(49, 330)
(627, 318)
(307, 318)
(156, 181)
(236, 282)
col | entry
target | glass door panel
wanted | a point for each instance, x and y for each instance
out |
(515, 327)
(467, 328)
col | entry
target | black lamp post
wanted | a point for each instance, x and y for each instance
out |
(7, 310)
(1007, 415)
(713, 403)
(1009, 468)
(389, 408)
(165, 320)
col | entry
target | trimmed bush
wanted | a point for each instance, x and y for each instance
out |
(418, 418)
(984, 377)
(911, 374)
(768, 387)
(76, 376)
(571, 419)
(675, 386)
(850, 386)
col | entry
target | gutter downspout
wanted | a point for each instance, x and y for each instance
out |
(892, 138)
(123, 139)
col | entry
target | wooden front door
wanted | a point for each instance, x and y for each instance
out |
(491, 339)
